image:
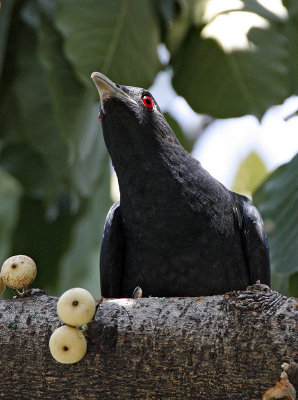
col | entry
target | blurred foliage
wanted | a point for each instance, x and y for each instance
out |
(54, 168)
(277, 200)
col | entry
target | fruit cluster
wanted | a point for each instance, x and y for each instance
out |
(76, 308)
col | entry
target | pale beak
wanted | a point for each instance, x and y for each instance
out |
(107, 89)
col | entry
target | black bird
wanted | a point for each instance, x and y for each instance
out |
(176, 231)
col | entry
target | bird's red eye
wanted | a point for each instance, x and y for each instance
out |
(148, 102)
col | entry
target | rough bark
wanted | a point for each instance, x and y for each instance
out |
(229, 346)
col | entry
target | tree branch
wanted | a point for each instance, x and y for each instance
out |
(228, 346)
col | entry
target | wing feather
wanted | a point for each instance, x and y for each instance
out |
(112, 254)
(254, 239)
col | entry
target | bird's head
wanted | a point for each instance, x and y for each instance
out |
(134, 128)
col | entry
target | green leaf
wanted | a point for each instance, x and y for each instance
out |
(75, 110)
(37, 118)
(26, 111)
(292, 35)
(10, 194)
(252, 171)
(237, 64)
(117, 38)
(65, 89)
(277, 200)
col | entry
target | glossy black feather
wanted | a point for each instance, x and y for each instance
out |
(112, 254)
(254, 239)
(177, 230)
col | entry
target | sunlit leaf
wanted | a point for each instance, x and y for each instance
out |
(252, 171)
(237, 64)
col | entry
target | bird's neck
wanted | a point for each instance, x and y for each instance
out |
(148, 159)
(155, 173)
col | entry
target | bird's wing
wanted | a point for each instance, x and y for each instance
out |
(112, 254)
(254, 239)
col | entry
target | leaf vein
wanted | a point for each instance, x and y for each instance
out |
(115, 37)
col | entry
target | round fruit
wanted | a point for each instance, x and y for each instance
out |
(76, 307)
(18, 271)
(67, 344)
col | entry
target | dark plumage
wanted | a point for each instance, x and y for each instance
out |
(177, 231)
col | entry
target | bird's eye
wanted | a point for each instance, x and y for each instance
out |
(148, 102)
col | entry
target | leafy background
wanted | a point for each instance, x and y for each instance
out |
(54, 168)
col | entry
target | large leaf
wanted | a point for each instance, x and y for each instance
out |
(76, 112)
(292, 35)
(236, 64)
(26, 111)
(65, 89)
(37, 117)
(277, 200)
(117, 38)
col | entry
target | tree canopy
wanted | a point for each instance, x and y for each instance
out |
(54, 168)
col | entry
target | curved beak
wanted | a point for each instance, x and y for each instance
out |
(106, 88)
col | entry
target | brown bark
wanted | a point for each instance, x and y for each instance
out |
(229, 346)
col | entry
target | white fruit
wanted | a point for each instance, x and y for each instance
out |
(2, 285)
(76, 307)
(67, 344)
(18, 271)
